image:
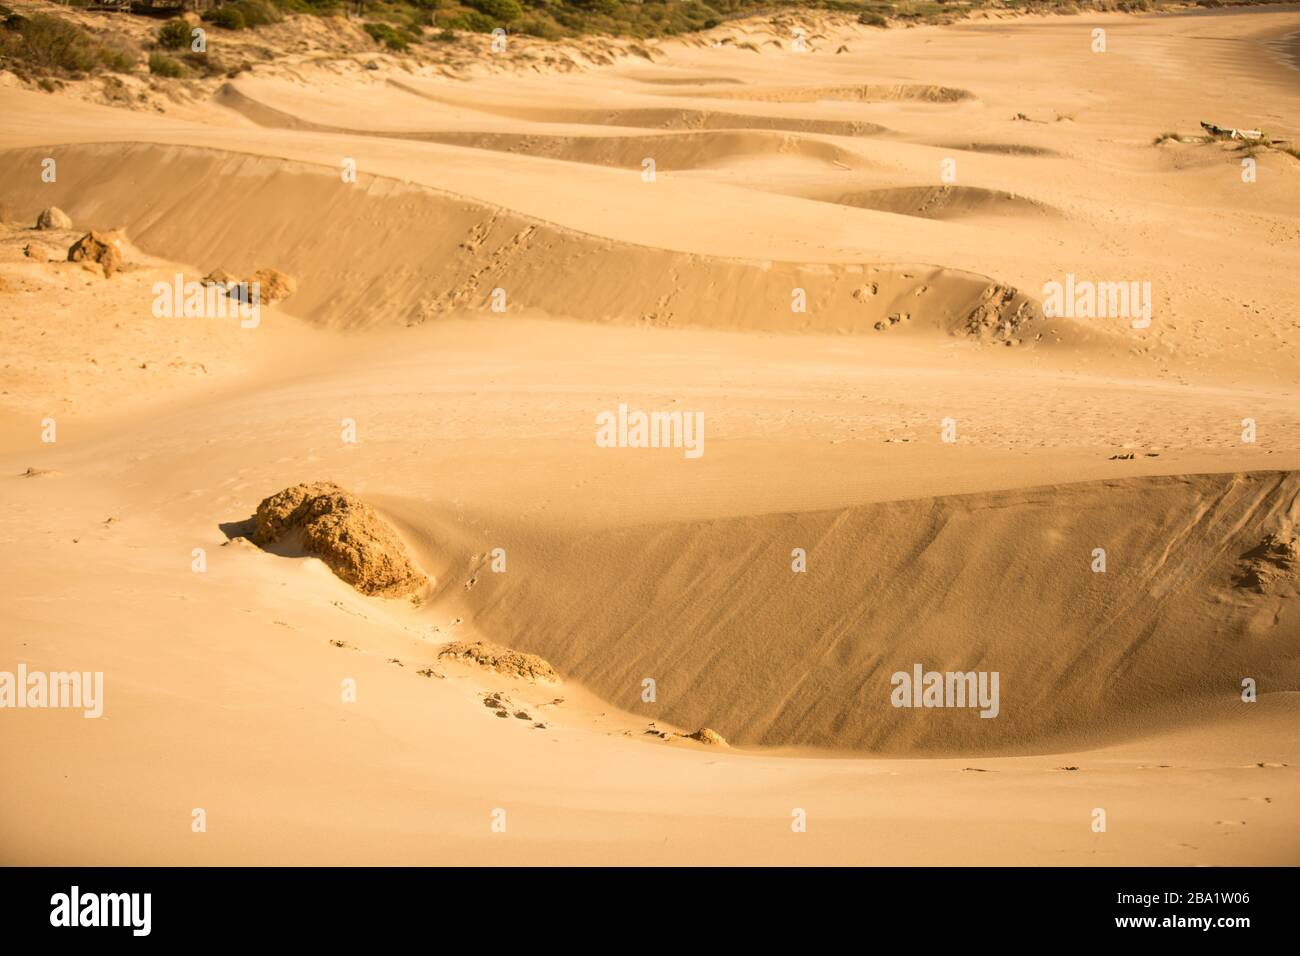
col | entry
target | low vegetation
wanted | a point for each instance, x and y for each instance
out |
(174, 34)
(244, 15)
(555, 19)
(40, 46)
(160, 64)
(44, 45)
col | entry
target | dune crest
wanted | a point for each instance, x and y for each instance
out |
(451, 253)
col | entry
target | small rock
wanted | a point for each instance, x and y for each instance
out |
(220, 278)
(272, 285)
(97, 248)
(711, 737)
(52, 217)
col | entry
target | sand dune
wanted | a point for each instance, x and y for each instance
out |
(649, 117)
(685, 150)
(775, 658)
(939, 202)
(664, 80)
(999, 149)
(840, 266)
(870, 93)
(400, 270)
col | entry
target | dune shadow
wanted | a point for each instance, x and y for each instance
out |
(288, 545)
(238, 529)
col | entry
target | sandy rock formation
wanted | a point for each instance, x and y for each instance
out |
(273, 285)
(1273, 563)
(501, 659)
(706, 736)
(220, 277)
(344, 532)
(52, 217)
(98, 248)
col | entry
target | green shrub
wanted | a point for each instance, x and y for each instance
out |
(118, 59)
(46, 43)
(502, 11)
(160, 64)
(204, 64)
(473, 21)
(390, 36)
(227, 17)
(257, 13)
(539, 26)
(174, 34)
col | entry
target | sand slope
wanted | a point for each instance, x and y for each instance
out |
(738, 642)
(407, 254)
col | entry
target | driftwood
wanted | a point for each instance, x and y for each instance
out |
(1230, 132)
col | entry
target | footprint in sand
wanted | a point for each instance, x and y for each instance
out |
(503, 706)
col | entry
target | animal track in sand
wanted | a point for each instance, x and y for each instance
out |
(501, 705)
